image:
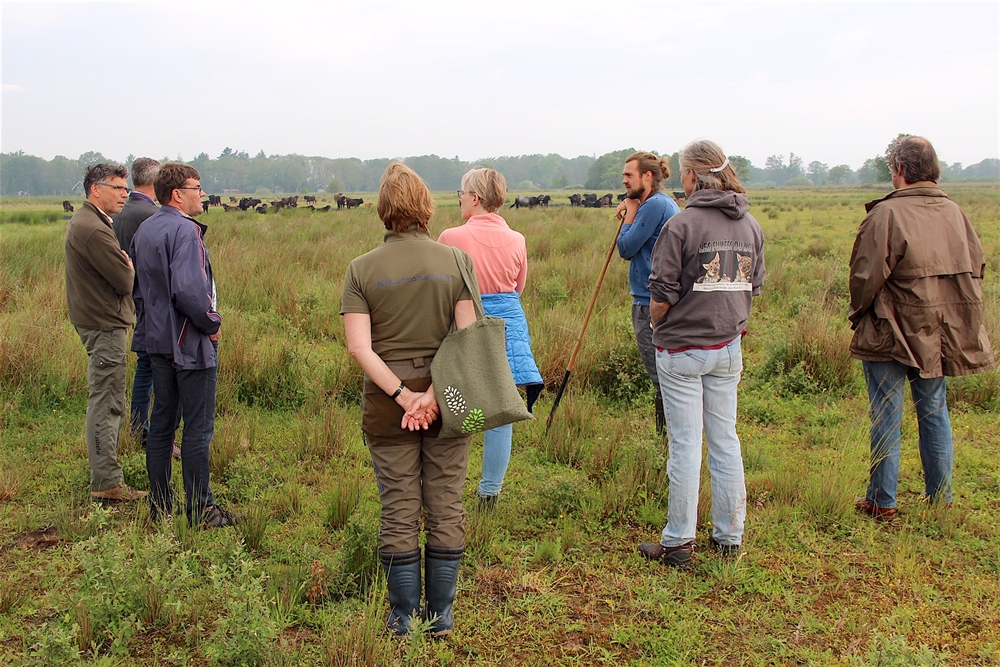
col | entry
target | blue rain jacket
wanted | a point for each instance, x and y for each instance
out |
(522, 363)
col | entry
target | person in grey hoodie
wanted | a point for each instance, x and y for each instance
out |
(707, 265)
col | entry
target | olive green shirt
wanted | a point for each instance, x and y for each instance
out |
(409, 286)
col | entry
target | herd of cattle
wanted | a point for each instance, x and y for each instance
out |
(588, 200)
(252, 203)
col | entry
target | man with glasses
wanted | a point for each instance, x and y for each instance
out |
(179, 329)
(99, 278)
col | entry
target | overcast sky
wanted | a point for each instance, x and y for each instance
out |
(833, 82)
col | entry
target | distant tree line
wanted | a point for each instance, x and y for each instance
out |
(237, 171)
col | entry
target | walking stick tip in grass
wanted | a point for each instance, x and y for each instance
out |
(586, 321)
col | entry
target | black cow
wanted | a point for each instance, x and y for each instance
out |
(204, 207)
(544, 200)
(589, 201)
(606, 200)
(353, 203)
(679, 195)
(67, 207)
(622, 197)
(310, 199)
(232, 200)
(530, 202)
(341, 201)
(214, 200)
(262, 209)
(574, 200)
(324, 209)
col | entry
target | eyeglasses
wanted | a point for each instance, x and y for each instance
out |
(465, 192)
(119, 188)
(193, 187)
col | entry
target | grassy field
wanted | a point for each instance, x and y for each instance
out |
(552, 576)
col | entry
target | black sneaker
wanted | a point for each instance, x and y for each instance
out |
(727, 551)
(216, 517)
(679, 556)
(488, 502)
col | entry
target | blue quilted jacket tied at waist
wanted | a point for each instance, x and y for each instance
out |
(522, 363)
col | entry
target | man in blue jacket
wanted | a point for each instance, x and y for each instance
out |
(179, 330)
(644, 212)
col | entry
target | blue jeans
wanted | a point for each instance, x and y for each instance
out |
(699, 391)
(193, 392)
(142, 390)
(496, 457)
(885, 398)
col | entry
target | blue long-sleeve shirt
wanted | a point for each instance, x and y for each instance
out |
(636, 241)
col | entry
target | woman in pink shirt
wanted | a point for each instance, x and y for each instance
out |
(501, 262)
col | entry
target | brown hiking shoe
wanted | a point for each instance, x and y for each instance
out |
(117, 494)
(865, 506)
(679, 556)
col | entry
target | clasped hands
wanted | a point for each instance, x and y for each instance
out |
(421, 409)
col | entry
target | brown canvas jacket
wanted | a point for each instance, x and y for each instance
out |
(916, 285)
(98, 276)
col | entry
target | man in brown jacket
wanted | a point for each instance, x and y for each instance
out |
(99, 280)
(917, 314)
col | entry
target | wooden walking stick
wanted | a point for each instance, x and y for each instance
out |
(583, 329)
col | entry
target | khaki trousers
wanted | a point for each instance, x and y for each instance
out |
(416, 471)
(105, 403)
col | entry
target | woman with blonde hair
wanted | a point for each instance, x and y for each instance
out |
(500, 256)
(399, 303)
(707, 265)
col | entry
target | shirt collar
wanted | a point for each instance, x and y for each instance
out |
(135, 194)
(412, 232)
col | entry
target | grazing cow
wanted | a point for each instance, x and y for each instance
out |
(605, 201)
(310, 199)
(574, 200)
(353, 203)
(589, 201)
(341, 201)
(204, 207)
(262, 209)
(679, 195)
(232, 200)
(544, 200)
(214, 200)
(247, 203)
(530, 202)
(67, 207)
(622, 197)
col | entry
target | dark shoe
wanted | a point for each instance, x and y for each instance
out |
(727, 551)
(441, 566)
(488, 502)
(679, 556)
(865, 506)
(402, 578)
(216, 517)
(117, 494)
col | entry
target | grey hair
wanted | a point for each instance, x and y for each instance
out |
(915, 159)
(101, 172)
(144, 170)
(710, 166)
(488, 184)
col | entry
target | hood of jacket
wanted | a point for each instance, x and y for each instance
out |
(733, 204)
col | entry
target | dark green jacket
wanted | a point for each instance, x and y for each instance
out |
(98, 275)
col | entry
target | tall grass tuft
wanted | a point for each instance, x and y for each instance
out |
(9, 485)
(253, 527)
(361, 641)
(10, 597)
(343, 499)
(231, 439)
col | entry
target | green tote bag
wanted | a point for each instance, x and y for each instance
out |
(472, 379)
